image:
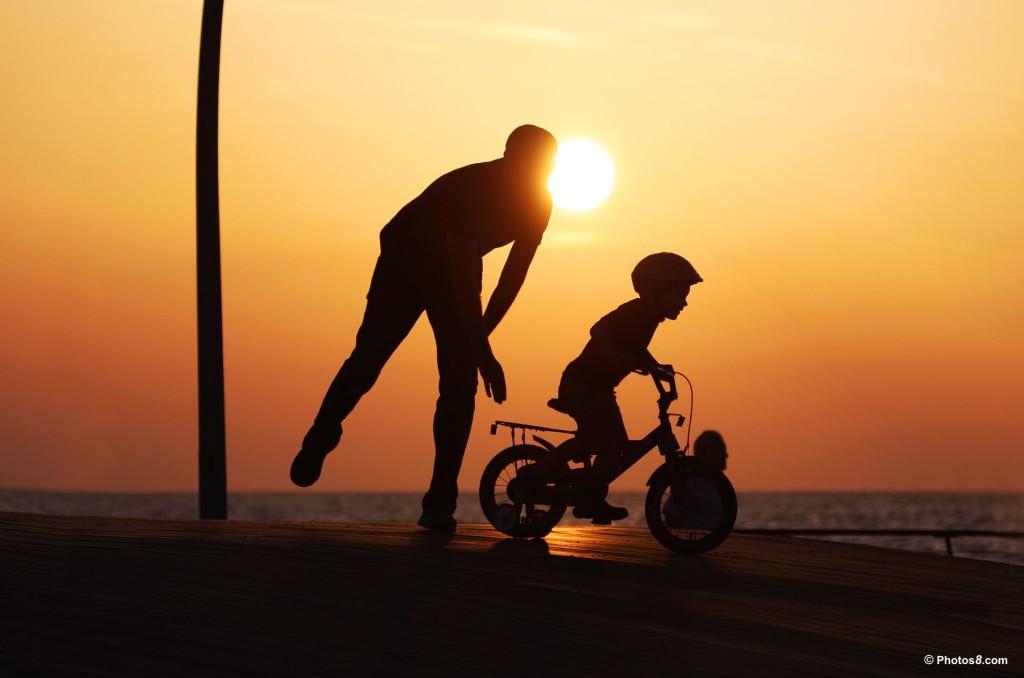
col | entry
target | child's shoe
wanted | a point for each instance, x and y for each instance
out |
(601, 512)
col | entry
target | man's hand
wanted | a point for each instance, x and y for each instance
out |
(493, 377)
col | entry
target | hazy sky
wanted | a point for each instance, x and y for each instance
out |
(846, 176)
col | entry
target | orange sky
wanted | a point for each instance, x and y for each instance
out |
(845, 176)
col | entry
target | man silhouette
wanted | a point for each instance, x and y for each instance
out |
(431, 260)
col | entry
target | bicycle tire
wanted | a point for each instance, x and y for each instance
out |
(697, 522)
(517, 520)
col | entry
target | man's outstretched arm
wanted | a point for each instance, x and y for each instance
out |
(466, 272)
(509, 283)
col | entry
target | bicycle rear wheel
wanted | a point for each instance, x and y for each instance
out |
(506, 501)
(695, 513)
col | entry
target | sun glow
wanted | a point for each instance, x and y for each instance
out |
(583, 176)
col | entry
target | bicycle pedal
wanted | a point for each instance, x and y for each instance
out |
(530, 473)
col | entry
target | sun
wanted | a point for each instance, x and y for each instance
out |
(583, 176)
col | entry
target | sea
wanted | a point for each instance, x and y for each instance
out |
(1002, 512)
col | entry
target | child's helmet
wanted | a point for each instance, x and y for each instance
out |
(656, 271)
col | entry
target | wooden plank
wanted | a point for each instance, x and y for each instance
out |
(100, 596)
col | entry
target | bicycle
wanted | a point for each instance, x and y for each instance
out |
(690, 506)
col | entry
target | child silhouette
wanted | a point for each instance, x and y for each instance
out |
(618, 345)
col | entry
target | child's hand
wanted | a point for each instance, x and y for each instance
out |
(644, 365)
(664, 370)
(632, 363)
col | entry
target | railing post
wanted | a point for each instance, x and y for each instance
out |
(213, 501)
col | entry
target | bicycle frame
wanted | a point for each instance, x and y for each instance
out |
(661, 436)
(525, 490)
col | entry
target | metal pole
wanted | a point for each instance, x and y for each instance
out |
(213, 500)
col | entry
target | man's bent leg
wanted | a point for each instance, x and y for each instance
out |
(391, 311)
(383, 329)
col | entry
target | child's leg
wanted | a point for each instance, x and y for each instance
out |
(554, 462)
(602, 432)
(606, 433)
(598, 419)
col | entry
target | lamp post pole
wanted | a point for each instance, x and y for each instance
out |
(213, 501)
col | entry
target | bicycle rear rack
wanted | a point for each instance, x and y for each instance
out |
(524, 428)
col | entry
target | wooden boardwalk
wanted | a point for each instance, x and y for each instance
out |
(119, 597)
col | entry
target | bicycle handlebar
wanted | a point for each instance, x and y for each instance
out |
(661, 374)
(666, 374)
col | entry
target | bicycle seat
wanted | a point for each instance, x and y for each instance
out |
(559, 406)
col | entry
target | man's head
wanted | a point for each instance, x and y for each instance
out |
(710, 447)
(663, 280)
(533, 149)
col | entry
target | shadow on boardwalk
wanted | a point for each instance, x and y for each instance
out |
(100, 596)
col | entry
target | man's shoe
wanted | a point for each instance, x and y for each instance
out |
(317, 444)
(306, 467)
(437, 522)
(601, 512)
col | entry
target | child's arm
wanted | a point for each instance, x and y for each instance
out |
(648, 362)
(601, 335)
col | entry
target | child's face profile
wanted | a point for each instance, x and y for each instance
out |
(672, 301)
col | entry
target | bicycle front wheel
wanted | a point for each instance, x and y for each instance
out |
(506, 501)
(691, 510)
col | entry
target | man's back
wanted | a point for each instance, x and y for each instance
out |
(485, 202)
